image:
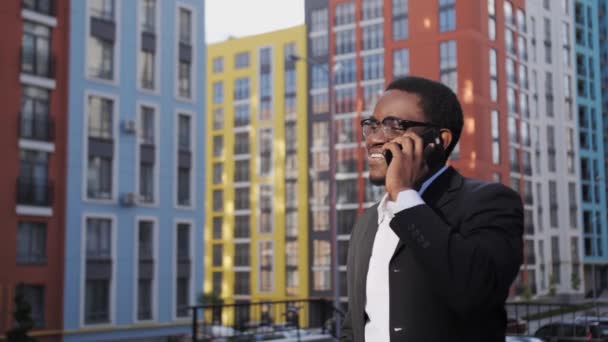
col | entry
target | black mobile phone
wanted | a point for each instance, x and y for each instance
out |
(432, 154)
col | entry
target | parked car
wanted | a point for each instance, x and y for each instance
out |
(523, 339)
(516, 326)
(573, 332)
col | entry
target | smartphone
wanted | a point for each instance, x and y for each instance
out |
(432, 154)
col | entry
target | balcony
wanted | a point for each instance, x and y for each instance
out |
(36, 127)
(37, 64)
(33, 192)
(46, 7)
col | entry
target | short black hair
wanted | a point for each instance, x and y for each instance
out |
(438, 103)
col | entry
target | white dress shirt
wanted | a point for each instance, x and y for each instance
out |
(377, 329)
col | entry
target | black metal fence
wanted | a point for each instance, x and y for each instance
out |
(265, 320)
(526, 318)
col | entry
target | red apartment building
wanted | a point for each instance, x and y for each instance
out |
(366, 44)
(33, 83)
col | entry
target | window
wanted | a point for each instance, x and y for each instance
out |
(31, 243)
(217, 228)
(573, 205)
(373, 67)
(218, 64)
(266, 205)
(217, 255)
(320, 103)
(553, 206)
(100, 117)
(97, 291)
(148, 17)
(319, 20)
(345, 42)
(291, 254)
(400, 28)
(399, 7)
(372, 9)
(492, 19)
(510, 67)
(147, 65)
(508, 9)
(144, 286)
(242, 115)
(218, 200)
(319, 46)
(509, 41)
(242, 255)
(183, 241)
(522, 48)
(218, 92)
(35, 122)
(36, 50)
(347, 73)
(146, 168)
(373, 37)
(521, 20)
(346, 100)
(218, 146)
(321, 265)
(217, 173)
(291, 224)
(345, 13)
(320, 76)
(40, 6)
(218, 118)
(495, 138)
(241, 88)
(33, 185)
(242, 230)
(346, 160)
(266, 146)
(184, 133)
(103, 9)
(241, 171)
(448, 63)
(241, 143)
(185, 26)
(493, 76)
(34, 295)
(100, 58)
(241, 201)
(241, 60)
(290, 81)
(183, 294)
(184, 80)
(242, 281)
(551, 148)
(99, 177)
(401, 62)
(291, 195)
(266, 257)
(447, 15)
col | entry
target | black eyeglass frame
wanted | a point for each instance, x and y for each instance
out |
(392, 124)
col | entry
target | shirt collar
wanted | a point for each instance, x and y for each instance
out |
(382, 207)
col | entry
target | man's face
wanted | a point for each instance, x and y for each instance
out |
(397, 104)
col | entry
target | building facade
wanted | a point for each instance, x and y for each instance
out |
(591, 136)
(256, 236)
(485, 51)
(136, 166)
(34, 87)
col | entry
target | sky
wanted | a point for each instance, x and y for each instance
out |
(239, 18)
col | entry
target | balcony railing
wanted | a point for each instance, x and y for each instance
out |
(36, 127)
(37, 64)
(41, 6)
(34, 192)
(264, 320)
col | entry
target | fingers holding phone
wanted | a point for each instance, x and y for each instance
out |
(412, 157)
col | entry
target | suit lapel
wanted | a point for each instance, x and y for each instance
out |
(370, 227)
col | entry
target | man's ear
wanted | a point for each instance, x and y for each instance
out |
(446, 137)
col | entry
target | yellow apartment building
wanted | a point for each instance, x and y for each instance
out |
(256, 236)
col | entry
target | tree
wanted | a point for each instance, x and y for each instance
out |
(215, 301)
(23, 319)
(552, 283)
(575, 280)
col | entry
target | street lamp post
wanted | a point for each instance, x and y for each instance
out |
(332, 184)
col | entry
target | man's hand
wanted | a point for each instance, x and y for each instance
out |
(407, 168)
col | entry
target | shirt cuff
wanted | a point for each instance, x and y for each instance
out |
(405, 199)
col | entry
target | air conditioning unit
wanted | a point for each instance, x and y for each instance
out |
(128, 199)
(129, 126)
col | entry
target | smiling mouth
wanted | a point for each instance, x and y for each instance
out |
(375, 156)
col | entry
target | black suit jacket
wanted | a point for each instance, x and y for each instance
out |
(451, 271)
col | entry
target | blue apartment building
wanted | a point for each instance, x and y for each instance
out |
(135, 189)
(592, 150)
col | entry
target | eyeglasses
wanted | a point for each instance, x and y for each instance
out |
(391, 126)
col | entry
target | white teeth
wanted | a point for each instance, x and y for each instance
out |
(376, 155)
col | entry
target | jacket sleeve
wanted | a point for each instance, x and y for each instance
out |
(471, 267)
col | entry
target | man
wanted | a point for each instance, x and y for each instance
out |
(434, 260)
